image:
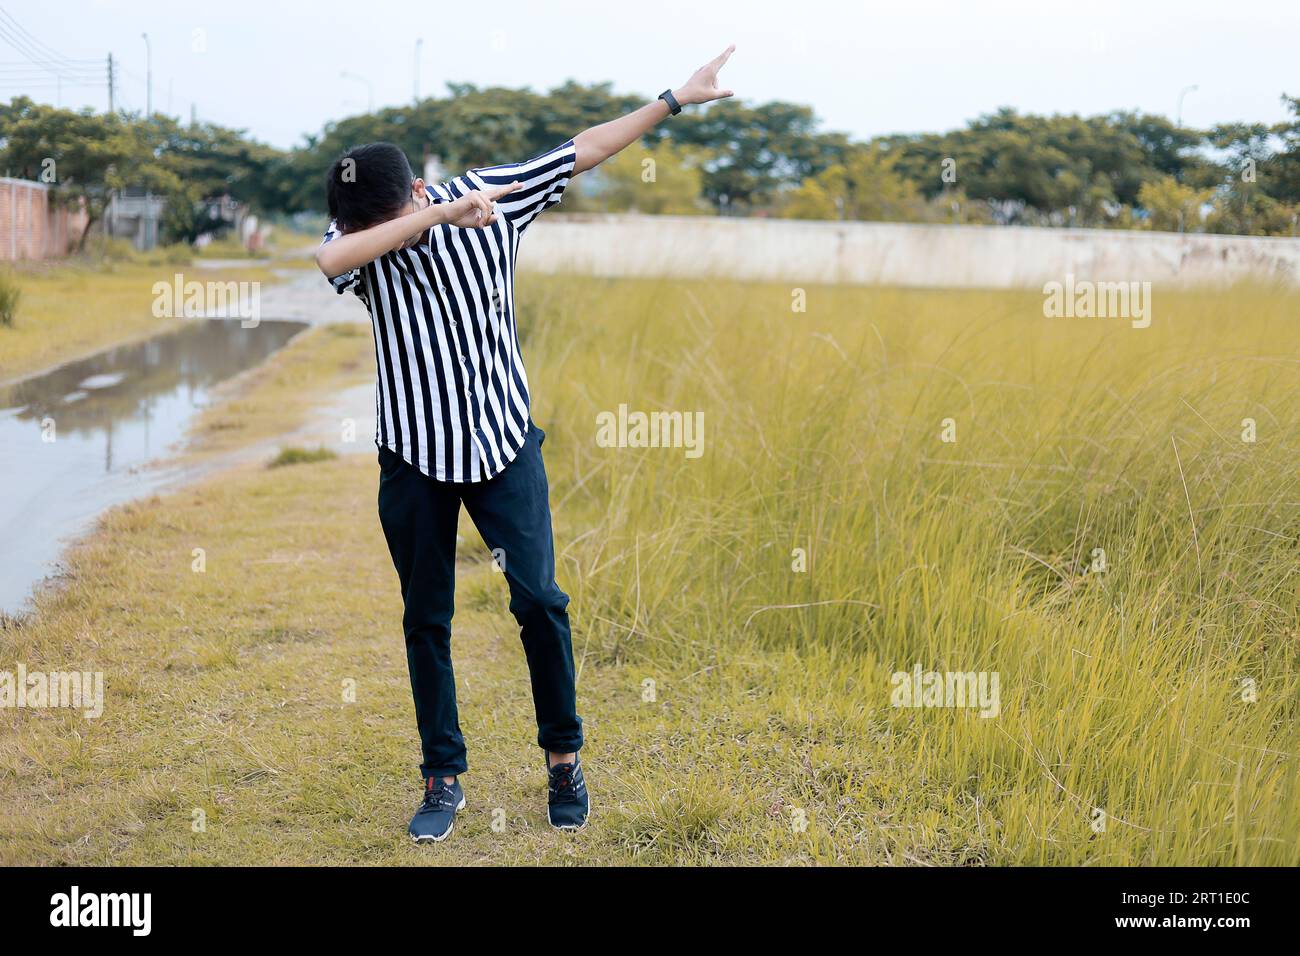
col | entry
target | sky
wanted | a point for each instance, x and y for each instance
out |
(282, 69)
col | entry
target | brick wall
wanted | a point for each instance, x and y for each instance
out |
(31, 227)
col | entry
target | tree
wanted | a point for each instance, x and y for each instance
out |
(1245, 202)
(661, 180)
(1171, 206)
(866, 185)
(92, 156)
(87, 156)
(206, 162)
(1282, 170)
(1053, 169)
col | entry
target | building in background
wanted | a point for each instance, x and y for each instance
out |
(32, 227)
(136, 215)
(434, 171)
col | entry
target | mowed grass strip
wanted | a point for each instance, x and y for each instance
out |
(1099, 535)
(290, 389)
(258, 711)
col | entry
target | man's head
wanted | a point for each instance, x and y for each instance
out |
(371, 184)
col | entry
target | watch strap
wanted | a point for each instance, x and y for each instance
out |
(673, 106)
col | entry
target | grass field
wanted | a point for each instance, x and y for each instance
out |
(1099, 535)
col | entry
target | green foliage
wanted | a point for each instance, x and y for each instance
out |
(1281, 173)
(10, 294)
(662, 179)
(1060, 170)
(772, 157)
(86, 154)
(1257, 194)
(757, 151)
(1172, 207)
(300, 456)
(92, 155)
(866, 185)
(111, 251)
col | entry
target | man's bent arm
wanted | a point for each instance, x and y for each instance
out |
(352, 250)
(599, 143)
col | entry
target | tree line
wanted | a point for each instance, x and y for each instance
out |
(1119, 170)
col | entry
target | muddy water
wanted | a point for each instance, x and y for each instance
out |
(75, 440)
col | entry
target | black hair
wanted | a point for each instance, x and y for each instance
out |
(368, 185)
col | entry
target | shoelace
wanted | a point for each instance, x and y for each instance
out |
(563, 783)
(434, 797)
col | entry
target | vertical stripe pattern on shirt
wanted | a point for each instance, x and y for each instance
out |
(451, 394)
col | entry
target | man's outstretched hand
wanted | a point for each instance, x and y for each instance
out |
(595, 145)
(702, 87)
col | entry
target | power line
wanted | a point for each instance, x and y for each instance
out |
(42, 59)
(37, 73)
(28, 52)
(27, 64)
(43, 50)
(44, 68)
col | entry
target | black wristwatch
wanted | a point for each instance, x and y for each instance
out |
(673, 106)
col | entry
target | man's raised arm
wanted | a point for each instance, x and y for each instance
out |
(597, 144)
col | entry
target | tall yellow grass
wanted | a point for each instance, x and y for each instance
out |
(1099, 534)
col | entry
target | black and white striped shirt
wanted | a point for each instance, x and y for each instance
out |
(451, 396)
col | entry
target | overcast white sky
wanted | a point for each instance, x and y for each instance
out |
(273, 66)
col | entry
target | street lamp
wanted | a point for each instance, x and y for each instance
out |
(370, 90)
(1186, 89)
(148, 73)
(418, 43)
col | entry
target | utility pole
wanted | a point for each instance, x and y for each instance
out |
(370, 89)
(148, 76)
(1182, 94)
(110, 83)
(418, 43)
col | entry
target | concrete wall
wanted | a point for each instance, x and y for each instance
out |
(893, 253)
(33, 228)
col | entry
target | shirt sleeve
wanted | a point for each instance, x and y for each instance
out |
(542, 181)
(349, 281)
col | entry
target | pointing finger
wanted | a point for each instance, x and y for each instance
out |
(496, 192)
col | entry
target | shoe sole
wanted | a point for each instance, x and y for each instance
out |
(438, 839)
(556, 826)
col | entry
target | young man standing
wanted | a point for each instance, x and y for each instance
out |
(434, 265)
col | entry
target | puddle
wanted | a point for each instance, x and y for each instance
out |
(74, 441)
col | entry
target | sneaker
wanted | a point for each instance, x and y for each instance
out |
(567, 805)
(432, 823)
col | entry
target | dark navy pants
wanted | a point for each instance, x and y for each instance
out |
(512, 513)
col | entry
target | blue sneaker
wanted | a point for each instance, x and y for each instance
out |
(567, 804)
(434, 820)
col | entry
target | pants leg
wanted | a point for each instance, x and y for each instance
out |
(419, 516)
(513, 514)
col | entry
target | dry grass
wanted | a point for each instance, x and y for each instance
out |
(1122, 688)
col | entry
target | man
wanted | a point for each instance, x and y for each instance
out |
(434, 265)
